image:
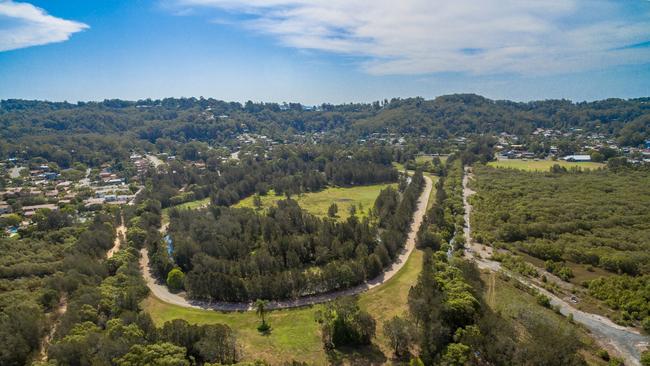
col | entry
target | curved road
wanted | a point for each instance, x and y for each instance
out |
(626, 341)
(161, 292)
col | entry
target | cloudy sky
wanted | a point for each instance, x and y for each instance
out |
(314, 51)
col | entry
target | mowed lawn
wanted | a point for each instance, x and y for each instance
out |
(191, 205)
(318, 203)
(542, 165)
(422, 159)
(295, 334)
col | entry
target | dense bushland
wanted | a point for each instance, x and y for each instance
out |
(239, 254)
(595, 218)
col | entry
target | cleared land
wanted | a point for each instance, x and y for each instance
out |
(422, 159)
(191, 205)
(317, 203)
(295, 333)
(542, 165)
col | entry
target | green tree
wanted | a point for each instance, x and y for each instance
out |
(400, 333)
(157, 354)
(456, 354)
(176, 279)
(257, 201)
(332, 210)
(645, 358)
(260, 309)
(9, 220)
(646, 324)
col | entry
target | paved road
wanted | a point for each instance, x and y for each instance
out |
(626, 341)
(161, 292)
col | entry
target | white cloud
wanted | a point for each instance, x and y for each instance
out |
(26, 25)
(474, 36)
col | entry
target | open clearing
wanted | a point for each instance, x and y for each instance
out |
(191, 205)
(542, 165)
(317, 203)
(295, 333)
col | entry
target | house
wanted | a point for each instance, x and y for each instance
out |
(4, 208)
(577, 158)
(93, 201)
(29, 211)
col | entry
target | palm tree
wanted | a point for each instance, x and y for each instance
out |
(260, 309)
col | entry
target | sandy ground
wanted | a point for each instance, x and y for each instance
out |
(160, 291)
(120, 233)
(154, 160)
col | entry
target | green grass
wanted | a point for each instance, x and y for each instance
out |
(423, 159)
(191, 205)
(542, 165)
(391, 299)
(295, 333)
(432, 196)
(317, 203)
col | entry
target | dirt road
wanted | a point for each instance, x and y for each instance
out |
(626, 341)
(56, 315)
(120, 234)
(160, 290)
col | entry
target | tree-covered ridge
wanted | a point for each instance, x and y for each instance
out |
(237, 254)
(152, 124)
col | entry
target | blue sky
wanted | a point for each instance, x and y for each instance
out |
(315, 51)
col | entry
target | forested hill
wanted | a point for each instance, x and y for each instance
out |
(26, 123)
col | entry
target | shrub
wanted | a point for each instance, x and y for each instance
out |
(603, 354)
(544, 300)
(176, 279)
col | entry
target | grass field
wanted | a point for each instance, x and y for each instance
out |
(295, 333)
(422, 159)
(432, 196)
(317, 203)
(542, 165)
(191, 205)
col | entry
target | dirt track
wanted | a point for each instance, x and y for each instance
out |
(161, 292)
(120, 233)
